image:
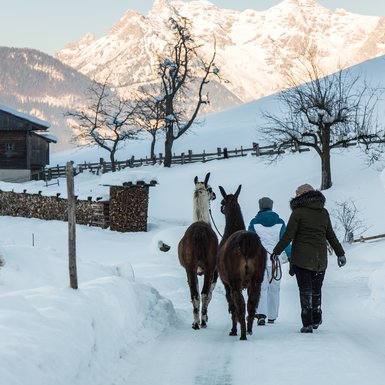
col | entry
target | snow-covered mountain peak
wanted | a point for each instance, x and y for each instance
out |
(87, 40)
(161, 9)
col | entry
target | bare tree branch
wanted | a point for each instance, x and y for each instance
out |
(107, 120)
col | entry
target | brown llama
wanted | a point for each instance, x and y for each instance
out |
(241, 265)
(197, 252)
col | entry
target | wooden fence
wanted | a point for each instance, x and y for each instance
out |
(222, 153)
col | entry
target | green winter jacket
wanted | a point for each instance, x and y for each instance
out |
(309, 228)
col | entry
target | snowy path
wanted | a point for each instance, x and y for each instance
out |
(274, 353)
(348, 348)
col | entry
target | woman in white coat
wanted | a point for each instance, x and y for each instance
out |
(270, 227)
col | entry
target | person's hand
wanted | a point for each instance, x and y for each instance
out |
(341, 261)
(273, 257)
(284, 258)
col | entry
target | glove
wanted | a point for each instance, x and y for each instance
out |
(341, 261)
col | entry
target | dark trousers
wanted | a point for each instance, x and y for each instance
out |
(310, 290)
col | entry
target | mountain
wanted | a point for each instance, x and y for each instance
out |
(232, 128)
(254, 49)
(40, 85)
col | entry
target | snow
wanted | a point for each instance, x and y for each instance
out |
(130, 320)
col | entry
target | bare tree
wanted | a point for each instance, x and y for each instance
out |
(323, 113)
(348, 217)
(181, 72)
(107, 120)
(150, 115)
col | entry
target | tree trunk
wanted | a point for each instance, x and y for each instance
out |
(112, 159)
(152, 149)
(168, 147)
(326, 181)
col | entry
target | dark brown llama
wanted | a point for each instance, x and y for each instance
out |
(241, 265)
(197, 252)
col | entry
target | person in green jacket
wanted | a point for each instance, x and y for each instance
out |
(309, 229)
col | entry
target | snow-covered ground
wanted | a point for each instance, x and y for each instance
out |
(130, 320)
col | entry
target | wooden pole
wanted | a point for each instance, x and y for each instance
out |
(363, 239)
(71, 226)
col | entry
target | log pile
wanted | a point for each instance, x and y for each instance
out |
(125, 211)
(50, 208)
(128, 207)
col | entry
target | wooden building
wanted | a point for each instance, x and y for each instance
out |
(24, 146)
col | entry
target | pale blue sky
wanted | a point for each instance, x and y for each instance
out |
(47, 25)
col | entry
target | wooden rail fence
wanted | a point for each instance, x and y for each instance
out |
(222, 153)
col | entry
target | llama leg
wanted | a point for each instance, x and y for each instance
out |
(204, 317)
(195, 299)
(207, 290)
(231, 307)
(252, 303)
(239, 303)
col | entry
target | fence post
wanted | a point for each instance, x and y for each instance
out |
(182, 157)
(204, 156)
(190, 155)
(219, 151)
(256, 149)
(225, 153)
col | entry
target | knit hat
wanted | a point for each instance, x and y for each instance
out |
(265, 203)
(303, 189)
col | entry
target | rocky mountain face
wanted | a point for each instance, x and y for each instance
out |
(254, 49)
(40, 85)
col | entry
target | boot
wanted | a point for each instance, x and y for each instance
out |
(261, 319)
(307, 320)
(307, 329)
(317, 317)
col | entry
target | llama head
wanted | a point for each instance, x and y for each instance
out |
(203, 190)
(229, 201)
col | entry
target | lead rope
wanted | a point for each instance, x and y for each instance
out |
(212, 219)
(276, 269)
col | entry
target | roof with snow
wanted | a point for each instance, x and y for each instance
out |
(36, 123)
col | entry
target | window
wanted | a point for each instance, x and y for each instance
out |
(9, 147)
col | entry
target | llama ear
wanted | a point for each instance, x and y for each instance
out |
(207, 178)
(238, 191)
(196, 180)
(223, 192)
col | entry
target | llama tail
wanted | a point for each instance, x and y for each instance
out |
(250, 244)
(202, 240)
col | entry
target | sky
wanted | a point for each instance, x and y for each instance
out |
(130, 320)
(49, 25)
